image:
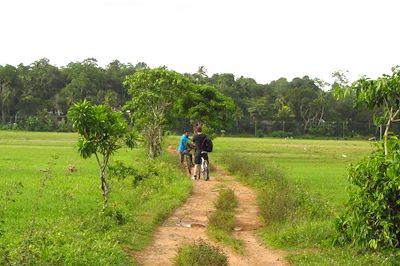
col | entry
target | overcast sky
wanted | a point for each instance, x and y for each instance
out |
(261, 39)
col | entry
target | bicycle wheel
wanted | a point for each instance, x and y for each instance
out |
(206, 172)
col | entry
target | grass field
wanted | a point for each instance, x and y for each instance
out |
(50, 215)
(317, 170)
(320, 165)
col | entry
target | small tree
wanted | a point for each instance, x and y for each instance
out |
(101, 132)
(372, 217)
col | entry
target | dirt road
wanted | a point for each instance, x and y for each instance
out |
(189, 221)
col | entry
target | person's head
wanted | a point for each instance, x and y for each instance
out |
(187, 133)
(199, 129)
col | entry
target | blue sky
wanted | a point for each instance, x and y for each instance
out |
(261, 39)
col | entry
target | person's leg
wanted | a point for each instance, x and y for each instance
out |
(196, 171)
(181, 157)
(197, 161)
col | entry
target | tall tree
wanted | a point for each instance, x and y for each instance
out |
(204, 104)
(153, 93)
(42, 81)
(259, 109)
(86, 80)
(116, 93)
(10, 85)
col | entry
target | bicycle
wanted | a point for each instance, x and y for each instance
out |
(188, 158)
(204, 170)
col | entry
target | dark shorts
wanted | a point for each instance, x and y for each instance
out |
(182, 154)
(197, 157)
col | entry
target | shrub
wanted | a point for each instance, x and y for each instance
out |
(200, 254)
(226, 201)
(372, 216)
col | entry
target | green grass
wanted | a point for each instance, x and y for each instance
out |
(312, 195)
(221, 222)
(320, 165)
(200, 254)
(49, 215)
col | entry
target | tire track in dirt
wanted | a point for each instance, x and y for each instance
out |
(188, 223)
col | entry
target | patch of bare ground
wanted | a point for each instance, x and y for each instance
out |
(188, 223)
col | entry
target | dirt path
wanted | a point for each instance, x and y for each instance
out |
(188, 222)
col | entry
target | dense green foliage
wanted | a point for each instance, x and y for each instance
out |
(200, 254)
(204, 104)
(372, 216)
(37, 97)
(50, 208)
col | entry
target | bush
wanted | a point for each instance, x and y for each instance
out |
(200, 254)
(372, 216)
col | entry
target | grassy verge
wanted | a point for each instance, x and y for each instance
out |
(51, 204)
(221, 222)
(285, 207)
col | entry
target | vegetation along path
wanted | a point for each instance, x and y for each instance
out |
(188, 223)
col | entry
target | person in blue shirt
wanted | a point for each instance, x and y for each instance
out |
(184, 146)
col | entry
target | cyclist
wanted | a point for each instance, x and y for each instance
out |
(198, 140)
(184, 146)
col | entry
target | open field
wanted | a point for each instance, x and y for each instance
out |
(320, 165)
(51, 204)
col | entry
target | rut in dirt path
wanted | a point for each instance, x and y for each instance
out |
(188, 223)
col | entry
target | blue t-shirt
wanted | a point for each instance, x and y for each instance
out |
(184, 140)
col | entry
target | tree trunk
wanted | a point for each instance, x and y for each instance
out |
(104, 187)
(3, 114)
(154, 138)
(305, 128)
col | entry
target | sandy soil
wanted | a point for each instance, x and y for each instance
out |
(189, 221)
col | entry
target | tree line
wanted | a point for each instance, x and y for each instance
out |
(38, 96)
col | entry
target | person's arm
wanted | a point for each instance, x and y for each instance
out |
(186, 144)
